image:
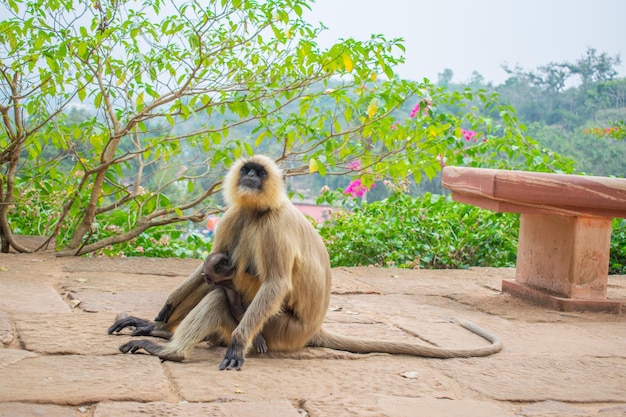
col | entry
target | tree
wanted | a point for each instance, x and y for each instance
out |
(592, 67)
(445, 78)
(175, 91)
(552, 77)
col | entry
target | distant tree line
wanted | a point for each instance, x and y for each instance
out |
(560, 102)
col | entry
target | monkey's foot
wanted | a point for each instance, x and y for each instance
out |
(171, 356)
(152, 348)
(134, 345)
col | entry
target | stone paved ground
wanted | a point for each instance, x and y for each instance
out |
(57, 359)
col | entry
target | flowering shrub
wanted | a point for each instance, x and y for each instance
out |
(425, 232)
(432, 231)
(617, 131)
(469, 135)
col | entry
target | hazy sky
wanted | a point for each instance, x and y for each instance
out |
(481, 35)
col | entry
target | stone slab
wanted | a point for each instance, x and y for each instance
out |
(344, 282)
(78, 333)
(74, 379)
(396, 406)
(524, 191)
(616, 335)
(559, 409)
(566, 256)
(41, 268)
(144, 303)
(30, 297)
(386, 307)
(617, 410)
(533, 379)
(544, 299)
(565, 340)
(117, 282)
(10, 356)
(6, 329)
(12, 409)
(271, 408)
(431, 281)
(133, 265)
(200, 380)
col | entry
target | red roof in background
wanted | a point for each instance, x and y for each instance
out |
(319, 213)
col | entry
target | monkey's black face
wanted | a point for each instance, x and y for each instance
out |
(252, 176)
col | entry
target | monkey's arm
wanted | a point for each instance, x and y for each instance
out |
(267, 303)
(178, 305)
(181, 293)
(235, 303)
(238, 309)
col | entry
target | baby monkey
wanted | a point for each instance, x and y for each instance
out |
(217, 271)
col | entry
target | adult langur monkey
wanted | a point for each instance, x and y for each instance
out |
(282, 272)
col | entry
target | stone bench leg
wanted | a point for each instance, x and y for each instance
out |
(563, 262)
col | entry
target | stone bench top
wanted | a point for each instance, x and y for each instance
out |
(537, 192)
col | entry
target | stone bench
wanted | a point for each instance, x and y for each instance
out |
(565, 231)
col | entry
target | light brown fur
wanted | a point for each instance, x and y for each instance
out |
(282, 271)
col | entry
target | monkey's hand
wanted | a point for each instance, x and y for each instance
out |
(165, 313)
(142, 326)
(234, 357)
(260, 345)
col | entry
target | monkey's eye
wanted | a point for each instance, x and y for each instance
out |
(254, 171)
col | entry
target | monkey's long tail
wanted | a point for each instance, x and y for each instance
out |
(328, 339)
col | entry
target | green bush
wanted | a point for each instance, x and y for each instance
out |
(617, 259)
(430, 231)
(163, 242)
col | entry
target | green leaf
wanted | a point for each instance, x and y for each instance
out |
(260, 138)
(39, 41)
(82, 93)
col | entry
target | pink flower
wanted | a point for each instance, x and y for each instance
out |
(354, 165)
(357, 189)
(415, 110)
(418, 108)
(468, 134)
